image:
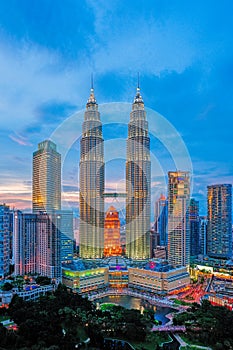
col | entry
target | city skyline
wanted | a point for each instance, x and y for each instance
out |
(185, 71)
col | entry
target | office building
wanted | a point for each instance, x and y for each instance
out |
(37, 244)
(91, 183)
(5, 232)
(112, 239)
(161, 217)
(138, 183)
(24, 248)
(151, 277)
(194, 222)
(178, 218)
(48, 250)
(158, 279)
(219, 221)
(203, 235)
(46, 178)
(67, 234)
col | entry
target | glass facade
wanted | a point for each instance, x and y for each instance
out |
(46, 178)
(161, 217)
(91, 183)
(4, 240)
(67, 235)
(178, 218)
(219, 221)
(203, 235)
(138, 183)
(194, 221)
(24, 243)
(37, 244)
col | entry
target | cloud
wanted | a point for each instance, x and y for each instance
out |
(29, 88)
(21, 140)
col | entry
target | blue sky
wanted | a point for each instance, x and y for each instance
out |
(182, 49)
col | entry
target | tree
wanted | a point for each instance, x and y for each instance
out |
(7, 286)
(43, 280)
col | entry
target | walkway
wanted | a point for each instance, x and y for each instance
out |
(169, 328)
(183, 343)
(153, 300)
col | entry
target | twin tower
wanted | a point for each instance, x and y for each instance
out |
(92, 183)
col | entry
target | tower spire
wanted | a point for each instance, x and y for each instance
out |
(92, 83)
(91, 101)
(138, 97)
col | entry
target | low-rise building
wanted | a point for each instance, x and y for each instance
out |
(5, 298)
(152, 277)
(84, 277)
(28, 293)
(158, 279)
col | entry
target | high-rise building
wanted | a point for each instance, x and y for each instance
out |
(219, 226)
(24, 247)
(46, 180)
(138, 183)
(4, 240)
(203, 235)
(67, 234)
(37, 244)
(48, 249)
(194, 222)
(161, 217)
(91, 183)
(112, 245)
(178, 218)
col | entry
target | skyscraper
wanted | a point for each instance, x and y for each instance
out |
(91, 183)
(48, 249)
(178, 218)
(219, 221)
(112, 225)
(25, 243)
(37, 244)
(161, 217)
(138, 183)
(46, 180)
(194, 222)
(203, 235)
(67, 234)
(4, 240)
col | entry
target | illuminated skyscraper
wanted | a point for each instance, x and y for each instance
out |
(25, 243)
(67, 235)
(112, 225)
(4, 240)
(91, 183)
(48, 245)
(37, 244)
(161, 216)
(203, 235)
(138, 183)
(46, 180)
(219, 221)
(194, 221)
(178, 218)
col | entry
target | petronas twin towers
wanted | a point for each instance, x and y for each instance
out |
(138, 183)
